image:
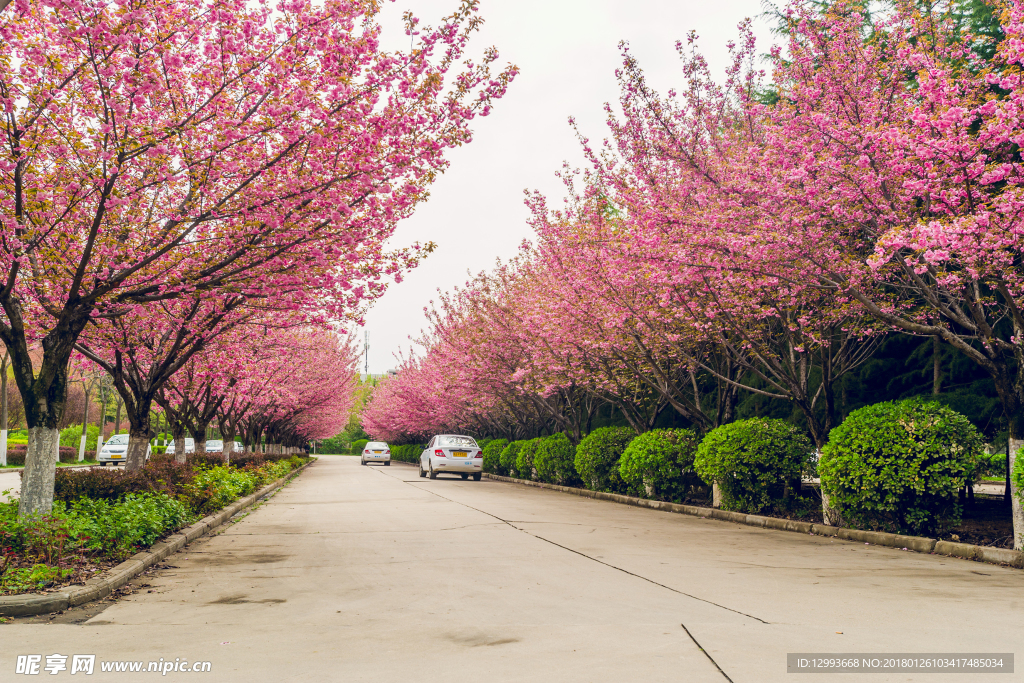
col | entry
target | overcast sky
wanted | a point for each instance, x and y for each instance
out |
(567, 52)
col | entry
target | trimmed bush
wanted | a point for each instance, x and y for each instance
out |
(524, 460)
(16, 455)
(659, 464)
(1017, 476)
(407, 452)
(555, 461)
(71, 437)
(508, 457)
(753, 461)
(897, 466)
(492, 456)
(597, 458)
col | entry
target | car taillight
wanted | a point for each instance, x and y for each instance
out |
(479, 454)
(439, 453)
(367, 451)
(387, 452)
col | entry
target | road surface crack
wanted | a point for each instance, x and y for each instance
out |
(706, 654)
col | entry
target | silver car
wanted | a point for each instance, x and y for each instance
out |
(452, 453)
(376, 451)
(115, 450)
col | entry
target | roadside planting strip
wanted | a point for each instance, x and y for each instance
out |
(28, 604)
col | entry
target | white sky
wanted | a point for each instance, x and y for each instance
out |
(567, 52)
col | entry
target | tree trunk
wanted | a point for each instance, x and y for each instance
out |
(117, 419)
(936, 366)
(43, 386)
(37, 479)
(138, 442)
(229, 443)
(199, 436)
(179, 446)
(1015, 493)
(3, 411)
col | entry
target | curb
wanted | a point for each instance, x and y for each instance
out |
(1001, 556)
(107, 582)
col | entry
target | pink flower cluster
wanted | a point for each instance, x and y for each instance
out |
(180, 176)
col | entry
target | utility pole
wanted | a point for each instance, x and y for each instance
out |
(366, 354)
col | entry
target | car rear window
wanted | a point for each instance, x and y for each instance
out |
(376, 444)
(458, 441)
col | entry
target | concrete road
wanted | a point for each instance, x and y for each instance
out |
(10, 481)
(373, 574)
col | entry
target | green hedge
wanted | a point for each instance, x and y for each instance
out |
(524, 460)
(407, 452)
(659, 464)
(597, 458)
(898, 466)
(492, 456)
(508, 457)
(555, 461)
(753, 461)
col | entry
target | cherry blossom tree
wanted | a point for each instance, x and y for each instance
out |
(156, 148)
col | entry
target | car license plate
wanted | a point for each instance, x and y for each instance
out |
(115, 455)
(459, 454)
(378, 451)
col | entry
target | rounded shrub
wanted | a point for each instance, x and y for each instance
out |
(507, 460)
(897, 466)
(492, 456)
(659, 464)
(555, 461)
(597, 458)
(752, 461)
(524, 460)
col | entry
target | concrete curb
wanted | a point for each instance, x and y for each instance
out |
(1001, 556)
(107, 582)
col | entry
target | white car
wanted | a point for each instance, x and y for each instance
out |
(452, 453)
(190, 446)
(217, 446)
(115, 450)
(376, 451)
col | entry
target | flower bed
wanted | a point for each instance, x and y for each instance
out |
(100, 517)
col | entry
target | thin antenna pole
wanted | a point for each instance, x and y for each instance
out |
(366, 353)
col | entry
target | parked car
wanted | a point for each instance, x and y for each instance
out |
(115, 450)
(190, 446)
(452, 453)
(215, 446)
(376, 451)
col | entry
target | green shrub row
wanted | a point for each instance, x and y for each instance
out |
(407, 452)
(110, 514)
(894, 466)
